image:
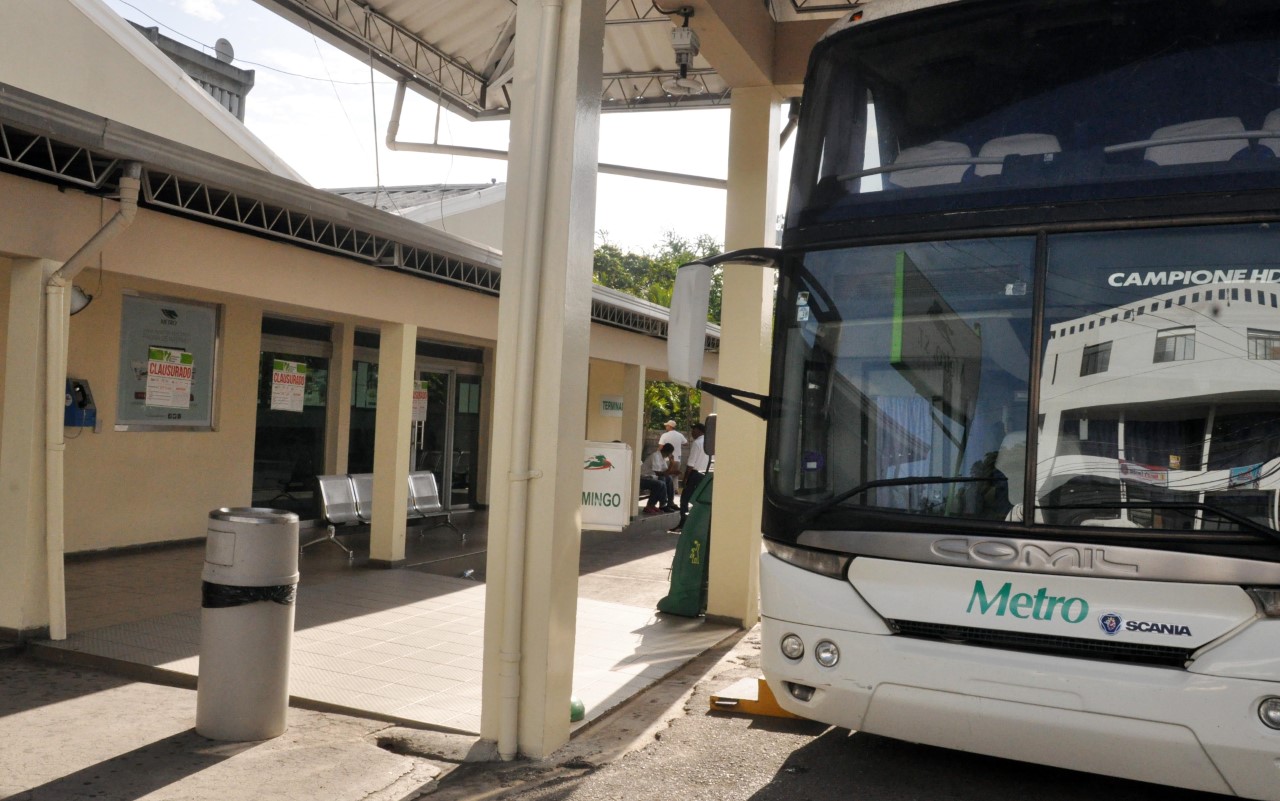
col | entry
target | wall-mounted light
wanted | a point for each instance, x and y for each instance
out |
(79, 300)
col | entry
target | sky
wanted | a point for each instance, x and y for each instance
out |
(316, 107)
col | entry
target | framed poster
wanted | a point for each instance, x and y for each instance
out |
(167, 355)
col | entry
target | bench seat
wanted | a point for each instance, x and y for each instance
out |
(348, 500)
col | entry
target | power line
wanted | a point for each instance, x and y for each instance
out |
(210, 49)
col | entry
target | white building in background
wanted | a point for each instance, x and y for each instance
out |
(1169, 399)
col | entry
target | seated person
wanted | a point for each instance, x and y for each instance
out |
(657, 467)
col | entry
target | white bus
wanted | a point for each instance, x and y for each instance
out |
(1024, 414)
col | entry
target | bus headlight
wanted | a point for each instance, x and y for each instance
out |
(826, 653)
(1269, 711)
(825, 563)
(1267, 599)
(792, 647)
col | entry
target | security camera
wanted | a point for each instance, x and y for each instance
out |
(685, 42)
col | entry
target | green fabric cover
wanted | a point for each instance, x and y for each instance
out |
(688, 594)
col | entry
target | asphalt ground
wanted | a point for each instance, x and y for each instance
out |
(668, 744)
(70, 733)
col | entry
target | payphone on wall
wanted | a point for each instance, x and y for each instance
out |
(80, 411)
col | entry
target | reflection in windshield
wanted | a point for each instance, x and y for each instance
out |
(1088, 100)
(902, 365)
(1161, 380)
(905, 373)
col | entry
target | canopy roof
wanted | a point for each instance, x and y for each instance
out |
(460, 52)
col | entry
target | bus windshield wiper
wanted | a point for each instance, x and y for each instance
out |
(1193, 506)
(867, 486)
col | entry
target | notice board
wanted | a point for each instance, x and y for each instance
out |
(167, 351)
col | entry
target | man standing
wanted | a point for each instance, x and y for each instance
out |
(676, 440)
(695, 468)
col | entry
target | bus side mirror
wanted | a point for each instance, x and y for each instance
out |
(687, 326)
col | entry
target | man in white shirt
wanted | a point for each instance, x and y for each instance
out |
(695, 468)
(676, 440)
(657, 470)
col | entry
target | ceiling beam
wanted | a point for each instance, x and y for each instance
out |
(747, 48)
(736, 36)
(792, 44)
(503, 51)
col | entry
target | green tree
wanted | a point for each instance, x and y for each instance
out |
(651, 276)
(667, 400)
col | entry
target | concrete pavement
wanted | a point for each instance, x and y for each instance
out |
(78, 733)
(71, 732)
(79, 730)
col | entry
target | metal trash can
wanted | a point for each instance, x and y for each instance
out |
(250, 580)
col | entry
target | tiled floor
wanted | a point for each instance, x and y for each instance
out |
(404, 644)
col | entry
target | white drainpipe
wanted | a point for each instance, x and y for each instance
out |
(57, 329)
(393, 129)
(522, 424)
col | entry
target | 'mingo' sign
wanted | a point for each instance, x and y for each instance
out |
(606, 486)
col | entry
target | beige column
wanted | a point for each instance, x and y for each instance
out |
(633, 425)
(24, 602)
(541, 377)
(604, 379)
(746, 327)
(484, 456)
(396, 351)
(337, 435)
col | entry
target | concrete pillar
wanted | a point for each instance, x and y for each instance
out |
(745, 331)
(24, 601)
(633, 425)
(396, 353)
(541, 377)
(484, 455)
(337, 435)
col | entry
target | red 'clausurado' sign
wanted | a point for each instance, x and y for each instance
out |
(170, 370)
(281, 377)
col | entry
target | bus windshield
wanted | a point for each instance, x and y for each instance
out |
(1043, 102)
(905, 379)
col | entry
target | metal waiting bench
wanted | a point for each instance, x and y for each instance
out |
(424, 501)
(348, 500)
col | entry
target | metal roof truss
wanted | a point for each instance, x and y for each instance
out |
(52, 159)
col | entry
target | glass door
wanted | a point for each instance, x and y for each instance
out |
(466, 440)
(364, 414)
(446, 442)
(430, 437)
(292, 392)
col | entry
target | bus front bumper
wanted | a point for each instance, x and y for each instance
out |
(1153, 724)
